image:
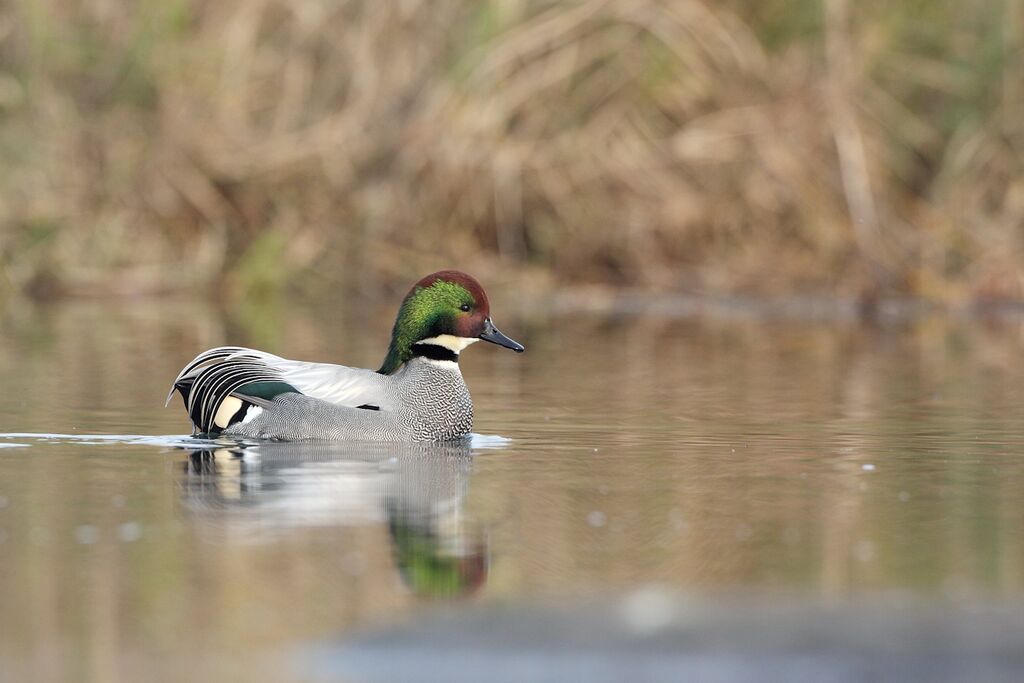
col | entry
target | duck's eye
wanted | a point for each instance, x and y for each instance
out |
(464, 307)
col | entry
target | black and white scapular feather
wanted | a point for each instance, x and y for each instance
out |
(227, 385)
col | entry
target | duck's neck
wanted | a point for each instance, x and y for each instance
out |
(442, 348)
(434, 352)
(393, 360)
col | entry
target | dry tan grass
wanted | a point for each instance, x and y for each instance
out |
(830, 146)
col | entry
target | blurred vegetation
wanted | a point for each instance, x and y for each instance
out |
(862, 149)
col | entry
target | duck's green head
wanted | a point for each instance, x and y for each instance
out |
(442, 314)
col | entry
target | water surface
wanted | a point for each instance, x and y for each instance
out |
(831, 461)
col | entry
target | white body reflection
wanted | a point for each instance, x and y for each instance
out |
(417, 490)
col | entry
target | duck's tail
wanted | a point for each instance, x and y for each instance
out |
(220, 385)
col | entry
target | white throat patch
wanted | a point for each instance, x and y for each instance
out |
(450, 342)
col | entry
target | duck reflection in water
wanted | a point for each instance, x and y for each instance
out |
(417, 490)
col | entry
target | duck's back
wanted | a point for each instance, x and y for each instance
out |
(427, 401)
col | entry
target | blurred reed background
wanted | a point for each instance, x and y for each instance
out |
(858, 149)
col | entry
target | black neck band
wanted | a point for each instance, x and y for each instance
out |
(434, 352)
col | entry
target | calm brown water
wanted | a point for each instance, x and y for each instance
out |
(712, 457)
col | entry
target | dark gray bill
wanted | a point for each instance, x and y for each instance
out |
(493, 335)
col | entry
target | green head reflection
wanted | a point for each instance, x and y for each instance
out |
(437, 560)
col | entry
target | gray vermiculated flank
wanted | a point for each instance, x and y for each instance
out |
(431, 402)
